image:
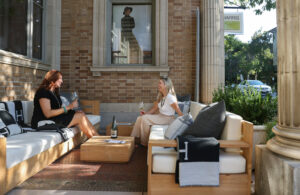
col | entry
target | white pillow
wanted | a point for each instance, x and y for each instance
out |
(178, 126)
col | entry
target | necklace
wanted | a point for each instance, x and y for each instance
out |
(55, 98)
(162, 102)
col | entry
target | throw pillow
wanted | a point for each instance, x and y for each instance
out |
(184, 106)
(209, 122)
(183, 98)
(8, 125)
(178, 126)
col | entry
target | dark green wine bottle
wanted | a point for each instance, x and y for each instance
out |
(114, 128)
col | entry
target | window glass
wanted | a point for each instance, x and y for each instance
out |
(131, 34)
(13, 22)
(37, 29)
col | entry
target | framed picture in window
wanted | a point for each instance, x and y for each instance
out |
(131, 34)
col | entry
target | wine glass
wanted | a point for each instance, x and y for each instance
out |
(141, 107)
(74, 97)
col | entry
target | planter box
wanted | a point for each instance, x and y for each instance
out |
(259, 137)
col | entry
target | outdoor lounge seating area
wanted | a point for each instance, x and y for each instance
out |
(185, 56)
(28, 153)
(25, 154)
(235, 159)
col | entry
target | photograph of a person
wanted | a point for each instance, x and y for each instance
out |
(131, 34)
(127, 24)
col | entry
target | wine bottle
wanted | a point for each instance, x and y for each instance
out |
(114, 129)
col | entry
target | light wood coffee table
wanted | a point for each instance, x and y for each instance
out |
(96, 149)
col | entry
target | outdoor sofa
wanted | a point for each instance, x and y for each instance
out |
(25, 154)
(235, 159)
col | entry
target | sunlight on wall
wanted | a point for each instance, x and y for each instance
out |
(18, 83)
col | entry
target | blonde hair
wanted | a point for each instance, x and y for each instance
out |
(169, 86)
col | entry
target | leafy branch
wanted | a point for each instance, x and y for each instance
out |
(264, 5)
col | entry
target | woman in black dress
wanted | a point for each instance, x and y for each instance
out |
(48, 106)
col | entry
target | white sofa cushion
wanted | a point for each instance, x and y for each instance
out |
(195, 108)
(232, 162)
(24, 146)
(164, 161)
(232, 129)
(27, 111)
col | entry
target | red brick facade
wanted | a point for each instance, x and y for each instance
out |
(76, 60)
(76, 56)
(18, 83)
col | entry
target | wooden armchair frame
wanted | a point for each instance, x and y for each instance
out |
(231, 184)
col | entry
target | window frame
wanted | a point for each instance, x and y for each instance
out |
(102, 39)
(51, 29)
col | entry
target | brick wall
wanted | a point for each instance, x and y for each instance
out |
(76, 56)
(19, 83)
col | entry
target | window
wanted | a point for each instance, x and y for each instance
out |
(21, 27)
(131, 34)
(146, 47)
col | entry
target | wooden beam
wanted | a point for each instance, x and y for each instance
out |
(90, 106)
(223, 143)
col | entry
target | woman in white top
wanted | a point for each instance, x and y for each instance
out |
(162, 112)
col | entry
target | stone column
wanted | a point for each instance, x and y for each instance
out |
(212, 71)
(287, 139)
(277, 166)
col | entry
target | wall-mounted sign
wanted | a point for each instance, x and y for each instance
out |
(234, 23)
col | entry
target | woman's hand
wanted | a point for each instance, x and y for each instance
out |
(142, 112)
(73, 105)
(176, 108)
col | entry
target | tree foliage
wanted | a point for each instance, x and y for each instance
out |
(252, 60)
(264, 5)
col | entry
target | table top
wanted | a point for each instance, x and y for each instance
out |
(100, 140)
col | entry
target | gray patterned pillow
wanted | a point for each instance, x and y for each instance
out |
(178, 126)
(184, 106)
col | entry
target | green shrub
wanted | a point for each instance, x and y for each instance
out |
(269, 132)
(248, 103)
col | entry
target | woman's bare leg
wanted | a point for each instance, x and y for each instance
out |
(84, 125)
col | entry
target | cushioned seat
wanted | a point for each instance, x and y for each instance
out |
(26, 145)
(23, 146)
(164, 159)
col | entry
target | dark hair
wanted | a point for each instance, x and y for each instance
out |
(127, 8)
(51, 77)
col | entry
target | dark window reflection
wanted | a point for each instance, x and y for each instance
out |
(13, 23)
(37, 29)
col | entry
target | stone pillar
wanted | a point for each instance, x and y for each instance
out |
(212, 71)
(287, 139)
(277, 166)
